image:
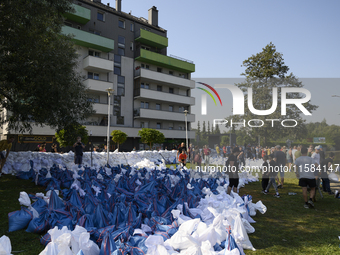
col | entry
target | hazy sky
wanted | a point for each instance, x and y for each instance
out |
(219, 35)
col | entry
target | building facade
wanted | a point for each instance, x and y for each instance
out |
(128, 54)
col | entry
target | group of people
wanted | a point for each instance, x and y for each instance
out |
(309, 164)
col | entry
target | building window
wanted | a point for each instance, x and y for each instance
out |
(159, 125)
(188, 92)
(118, 58)
(171, 90)
(145, 48)
(159, 88)
(96, 32)
(132, 27)
(146, 105)
(142, 125)
(131, 46)
(91, 75)
(144, 85)
(181, 109)
(100, 16)
(94, 99)
(120, 120)
(117, 105)
(159, 69)
(121, 51)
(171, 72)
(120, 89)
(141, 104)
(121, 41)
(121, 23)
(180, 128)
(158, 106)
(145, 66)
(171, 108)
(117, 70)
(182, 75)
(171, 126)
(121, 86)
(94, 53)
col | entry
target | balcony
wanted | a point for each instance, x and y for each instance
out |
(163, 78)
(148, 38)
(101, 108)
(89, 40)
(92, 63)
(81, 15)
(165, 97)
(97, 85)
(161, 115)
(164, 61)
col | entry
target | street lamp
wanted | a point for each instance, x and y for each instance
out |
(91, 146)
(109, 93)
(186, 128)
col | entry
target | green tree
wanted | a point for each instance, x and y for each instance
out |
(212, 129)
(204, 131)
(38, 81)
(68, 135)
(151, 136)
(224, 140)
(198, 132)
(118, 137)
(217, 130)
(264, 71)
(208, 128)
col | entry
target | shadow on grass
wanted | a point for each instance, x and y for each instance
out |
(288, 228)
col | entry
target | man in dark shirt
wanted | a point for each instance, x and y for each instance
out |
(281, 163)
(232, 165)
(325, 165)
(78, 151)
(322, 154)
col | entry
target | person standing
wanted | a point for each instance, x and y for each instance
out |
(293, 153)
(265, 173)
(322, 154)
(303, 171)
(206, 152)
(325, 167)
(54, 148)
(78, 151)
(180, 149)
(273, 169)
(289, 158)
(232, 165)
(298, 153)
(182, 158)
(218, 150)
(5, 145)
(281, 163)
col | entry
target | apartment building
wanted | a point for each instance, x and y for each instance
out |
(128, 54)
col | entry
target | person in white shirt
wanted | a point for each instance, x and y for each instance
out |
(293, 153)
(316, 155)
(305, 173)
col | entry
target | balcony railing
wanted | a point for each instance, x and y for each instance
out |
(136, 111)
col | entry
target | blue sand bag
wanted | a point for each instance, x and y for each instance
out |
(19, 219)
(39, 225)
(108, 245)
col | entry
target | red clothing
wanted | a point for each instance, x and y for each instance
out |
(182, 157)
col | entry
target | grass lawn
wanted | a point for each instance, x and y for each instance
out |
(286, 227)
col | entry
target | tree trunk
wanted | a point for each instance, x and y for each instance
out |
(118, 146)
